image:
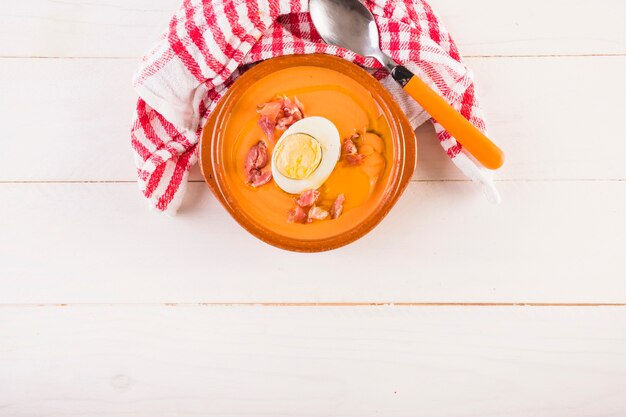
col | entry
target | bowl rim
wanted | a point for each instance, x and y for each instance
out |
(208, 152)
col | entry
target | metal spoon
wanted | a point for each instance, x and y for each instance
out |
(349, 24)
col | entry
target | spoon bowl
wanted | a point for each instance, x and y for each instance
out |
(360, 36)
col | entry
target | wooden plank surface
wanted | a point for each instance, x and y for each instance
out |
(119, 28)
(535, 27)
(557, 241)
(79, 28)
(74, 229)
(553, 119)
(308, 362)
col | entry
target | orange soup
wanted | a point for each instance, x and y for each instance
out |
(350, 107)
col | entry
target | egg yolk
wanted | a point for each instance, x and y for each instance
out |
(298, 156)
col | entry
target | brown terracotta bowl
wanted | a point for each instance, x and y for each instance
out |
(216, 153)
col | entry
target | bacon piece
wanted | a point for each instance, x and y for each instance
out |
(269, 113)
(355, 159)
(308, 198)
(292, 112)
(279, 113)
(299, 104)
(260, 178)
(268, 126)
(316, 213)
(255, 161)
(271, 109)
(350, 152)
(337, 207)
(284, 122)
(297, 215)
(293, 108)
(257, 157)
(349, 147)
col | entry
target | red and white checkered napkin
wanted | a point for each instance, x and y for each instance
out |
(209, 43)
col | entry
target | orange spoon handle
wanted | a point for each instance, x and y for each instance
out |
(472, 139)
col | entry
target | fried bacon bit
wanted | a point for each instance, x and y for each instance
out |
(260, 178)
(292, 112)
(306, 210)
(337, 207)
(355, 159)
(297, 215)
(316, 213)
(256, 160)
(267, 125)
(257, 157)
(308, 198)
(270, 109)
(349, 147)
(279, 113)
(299, 105)
(350, 152)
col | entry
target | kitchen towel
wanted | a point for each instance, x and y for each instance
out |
(208, 44)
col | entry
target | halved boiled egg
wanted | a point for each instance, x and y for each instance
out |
(306, 154)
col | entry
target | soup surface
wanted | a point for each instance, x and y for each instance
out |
(351, 108)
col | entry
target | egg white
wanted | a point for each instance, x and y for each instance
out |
(325, 132)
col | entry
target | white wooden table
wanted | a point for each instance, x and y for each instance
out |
(451, 307)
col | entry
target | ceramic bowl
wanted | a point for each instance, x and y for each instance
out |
(212, 153)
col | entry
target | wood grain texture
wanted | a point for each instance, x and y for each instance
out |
(74, 229)
(535, 27)
(307, 362)
(98, 243)
(554, 121)
(79, 28)
(119, 28)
